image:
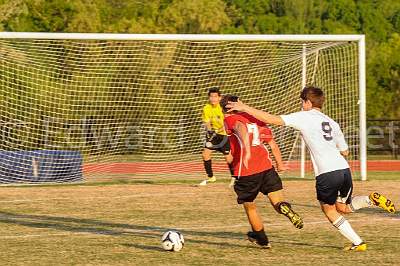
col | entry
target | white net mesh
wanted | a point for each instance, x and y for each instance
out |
(82, 108)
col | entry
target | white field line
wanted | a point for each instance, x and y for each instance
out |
(179, 228)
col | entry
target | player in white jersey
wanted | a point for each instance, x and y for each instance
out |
(328, 150)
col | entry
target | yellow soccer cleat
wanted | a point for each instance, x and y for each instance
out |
(360, 247)
(382, 202)
(294, 218)
(208, 180)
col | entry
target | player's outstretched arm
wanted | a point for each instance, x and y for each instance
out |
(260, 115)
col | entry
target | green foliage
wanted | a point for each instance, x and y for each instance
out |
(384, 66)
(379, 20)
(201, 16)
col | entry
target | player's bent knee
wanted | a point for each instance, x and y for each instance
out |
(249, 205)
(328, 209)
(206, 155)
(343, 208)
(229, 158)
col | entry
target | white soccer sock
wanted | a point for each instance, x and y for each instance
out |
(359, 202)
(346, 230)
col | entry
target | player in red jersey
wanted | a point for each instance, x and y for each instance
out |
(254, 171)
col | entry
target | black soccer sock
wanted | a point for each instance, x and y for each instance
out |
(261, 236)
(208, 168)
(230, 168)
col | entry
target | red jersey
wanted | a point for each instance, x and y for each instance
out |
(258, 133)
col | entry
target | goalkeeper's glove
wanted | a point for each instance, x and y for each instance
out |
(210, 135)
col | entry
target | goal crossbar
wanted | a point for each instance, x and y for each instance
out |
(181, 37)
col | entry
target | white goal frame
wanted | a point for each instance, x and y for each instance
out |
(360, 39)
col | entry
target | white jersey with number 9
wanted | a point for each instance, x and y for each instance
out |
(323, 137)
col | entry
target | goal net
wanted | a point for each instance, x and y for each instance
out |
(74, 108)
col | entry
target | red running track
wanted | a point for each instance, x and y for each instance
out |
(197, 167)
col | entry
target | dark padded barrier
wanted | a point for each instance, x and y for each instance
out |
(40, 166)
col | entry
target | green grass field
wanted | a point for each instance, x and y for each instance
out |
(121, 222)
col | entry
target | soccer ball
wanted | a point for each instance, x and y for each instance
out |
(172, 241)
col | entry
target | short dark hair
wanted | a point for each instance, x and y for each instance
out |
(227, 98)
(214, 90)
(314, 94)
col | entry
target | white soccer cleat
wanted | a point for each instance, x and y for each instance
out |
(209, 180)
(203, 183)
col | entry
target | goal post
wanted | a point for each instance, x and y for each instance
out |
(363, 107)
(129, 105)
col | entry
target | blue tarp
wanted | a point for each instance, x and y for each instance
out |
(40, 166)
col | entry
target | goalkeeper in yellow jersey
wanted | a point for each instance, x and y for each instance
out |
(216, 138)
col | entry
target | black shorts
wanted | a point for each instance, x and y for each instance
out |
(248, 187)
(218, 143)
(335, 186)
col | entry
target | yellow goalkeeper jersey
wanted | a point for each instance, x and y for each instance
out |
(214, 115)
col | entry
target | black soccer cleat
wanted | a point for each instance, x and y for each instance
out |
(255, 238)
(294, 218)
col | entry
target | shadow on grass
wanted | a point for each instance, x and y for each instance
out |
(98, 227)
(144, 247)
(379, 212)
(193, 241)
